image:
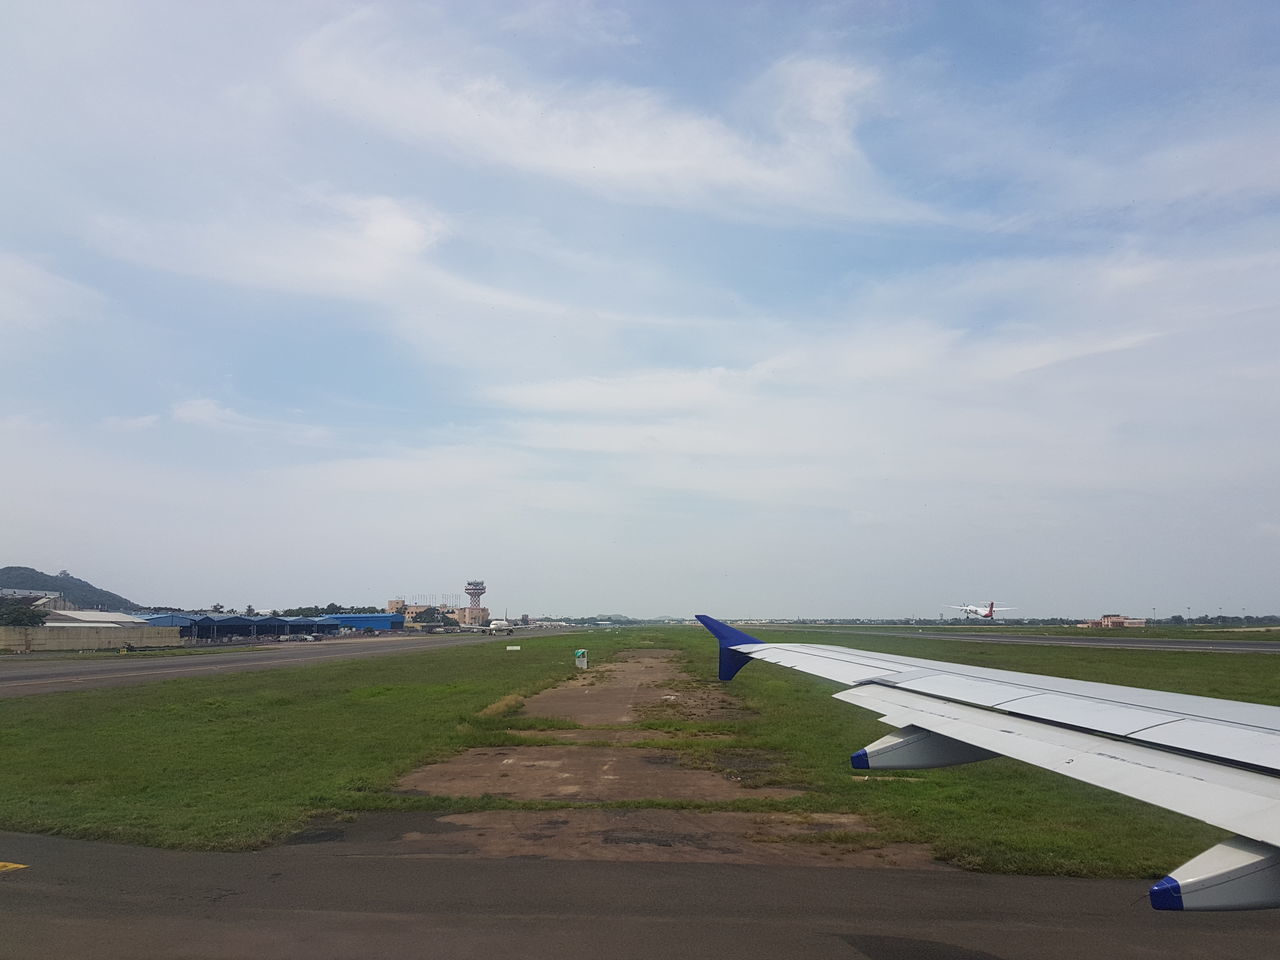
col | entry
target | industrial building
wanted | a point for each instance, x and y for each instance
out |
(40, 599)
(92, 618)
(364, 621)
(222, 627)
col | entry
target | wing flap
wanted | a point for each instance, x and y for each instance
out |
(1256, 747)
(1241, 801)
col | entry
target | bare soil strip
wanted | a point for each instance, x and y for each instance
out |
(669, 836)
(639, 684)
(596, 735)
(596, 774)
(613, 693)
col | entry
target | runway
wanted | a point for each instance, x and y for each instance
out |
(1118, 643)
(27, 675)
(77, 900)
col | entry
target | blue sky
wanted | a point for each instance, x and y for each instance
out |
(770, 309)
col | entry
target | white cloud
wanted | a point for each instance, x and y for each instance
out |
(387, 254)
(321, 243)
(33, 299)
(653, 392)
(629, 142)
(131, 424)
(1017, 377)
(1038, 158)
(211, 415)
(572, 23)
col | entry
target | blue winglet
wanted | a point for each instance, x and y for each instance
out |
(1166, 895)
(860, 761)
(731, 661)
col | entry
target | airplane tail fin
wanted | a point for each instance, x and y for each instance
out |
(731, 661)
(991, 609)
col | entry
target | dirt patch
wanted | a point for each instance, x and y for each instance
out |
(580, 773)
(611, 693)
(629, 835)
(694, 701)
(753, 768)
(589, 736)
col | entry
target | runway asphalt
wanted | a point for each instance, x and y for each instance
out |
(77, 900)
(27, 675)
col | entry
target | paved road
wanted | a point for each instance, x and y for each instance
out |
(1118, 643)
(78, 900)
(23, 676)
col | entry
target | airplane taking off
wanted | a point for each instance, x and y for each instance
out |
(988, 614)
(1214, 760)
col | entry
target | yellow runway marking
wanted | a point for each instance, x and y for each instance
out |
(11, 866)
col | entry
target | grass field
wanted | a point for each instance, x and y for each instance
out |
(977, 626)
(236, 762)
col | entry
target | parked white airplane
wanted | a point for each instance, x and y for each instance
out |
(989, 613)
(496, 627)
(1215, 760)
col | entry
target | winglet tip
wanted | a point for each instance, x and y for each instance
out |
(1166, 895)
(731, 661)
(860, 760)
(727, 635)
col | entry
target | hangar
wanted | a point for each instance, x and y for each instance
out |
(375, 621)
(222, 627)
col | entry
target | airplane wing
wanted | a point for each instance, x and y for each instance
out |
(1214, 760)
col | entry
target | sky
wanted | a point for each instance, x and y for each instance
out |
(853, 308)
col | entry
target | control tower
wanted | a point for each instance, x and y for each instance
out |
(474, 615)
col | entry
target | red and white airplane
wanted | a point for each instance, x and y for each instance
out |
(988, 614)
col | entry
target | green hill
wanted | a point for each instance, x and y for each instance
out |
(79, 593)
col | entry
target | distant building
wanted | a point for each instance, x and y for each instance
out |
(411, 610)
(466, 616)
(471, 616)
(92, 618)
(361, 621)
(1113, 620)
(40, 599)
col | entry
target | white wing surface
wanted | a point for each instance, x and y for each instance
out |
(1215, 760)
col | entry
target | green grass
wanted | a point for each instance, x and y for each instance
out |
(240, 761)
